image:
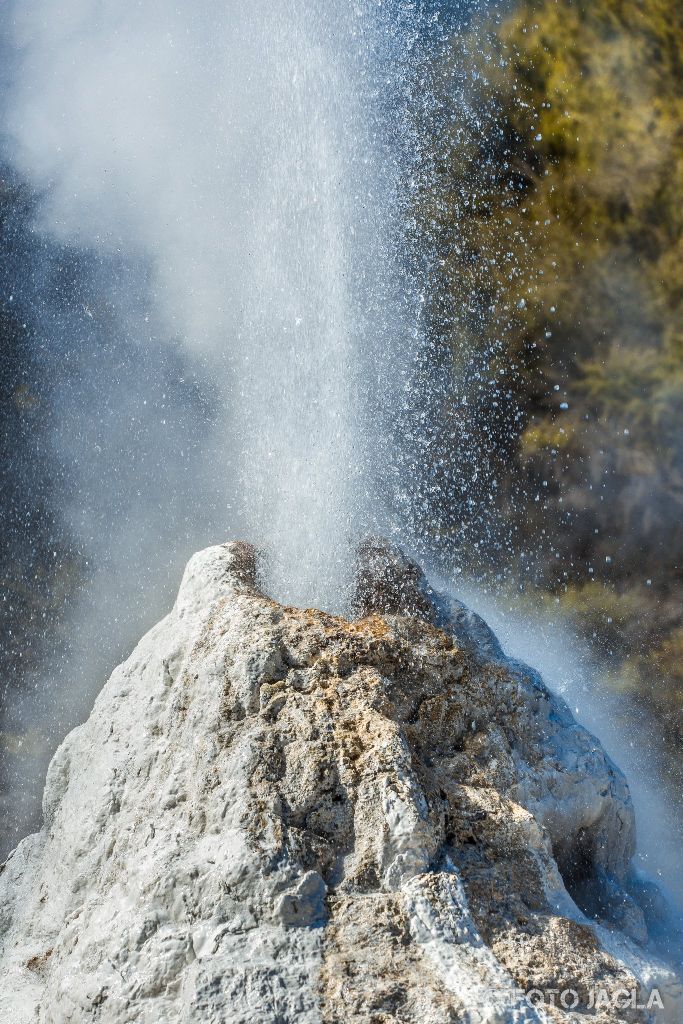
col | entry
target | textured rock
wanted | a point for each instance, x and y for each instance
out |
(277, 815)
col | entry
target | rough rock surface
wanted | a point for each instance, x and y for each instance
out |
(277, 815)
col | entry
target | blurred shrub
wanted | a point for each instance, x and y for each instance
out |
(554, 213)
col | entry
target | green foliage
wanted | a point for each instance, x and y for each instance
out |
(557, 233)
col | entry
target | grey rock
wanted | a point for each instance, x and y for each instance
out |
(277, 815)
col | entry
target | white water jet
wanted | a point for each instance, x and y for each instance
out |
(246, 155)
(238, 175)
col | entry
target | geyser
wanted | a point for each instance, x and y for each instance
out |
(250, 167)
(250, 160)
(228, 184)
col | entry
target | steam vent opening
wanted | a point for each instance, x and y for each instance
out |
(585, 883)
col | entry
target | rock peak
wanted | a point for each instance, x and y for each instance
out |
(388, 582)
(278, 815)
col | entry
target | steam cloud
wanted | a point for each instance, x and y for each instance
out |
(230, 180)
(238, 157)
(226, 183)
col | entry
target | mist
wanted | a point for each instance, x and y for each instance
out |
(220, 293)
(222, 154)
(550, 645)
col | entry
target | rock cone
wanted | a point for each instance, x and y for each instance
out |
(279, 815)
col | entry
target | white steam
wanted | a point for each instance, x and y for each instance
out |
(230, 176)
(549, 644)
(239, 151)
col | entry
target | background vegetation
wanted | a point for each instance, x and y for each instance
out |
(554, 215)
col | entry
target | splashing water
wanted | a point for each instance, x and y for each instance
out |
(249, 168)
(250, 159)
(229, 187)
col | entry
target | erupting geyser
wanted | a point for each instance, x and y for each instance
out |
(251, 160)
(333, 795)
(232, 178)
